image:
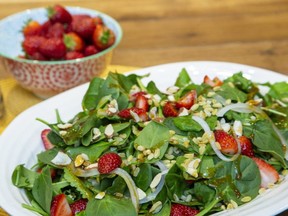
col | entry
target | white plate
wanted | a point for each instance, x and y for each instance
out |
(20, 142)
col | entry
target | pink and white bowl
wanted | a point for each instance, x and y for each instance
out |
(48, 78)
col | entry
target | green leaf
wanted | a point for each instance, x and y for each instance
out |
(237, 179)
(93, 151)
(110, 205)
(186, 123)
(23, 177)
(144, 177)
(183, 78)
(228, 92)
(78, 184)
(91, 94)
(279, 90)
(47, 156)
(42, 189)
(266, 139)
(153, 136)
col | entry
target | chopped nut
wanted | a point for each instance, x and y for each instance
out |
(61, 159)
(64, 126)
(109, 131)
(156, 180)
(100, 195)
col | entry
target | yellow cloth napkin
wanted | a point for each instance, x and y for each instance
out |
(17, 99)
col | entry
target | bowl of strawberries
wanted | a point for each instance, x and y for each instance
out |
(50, 50)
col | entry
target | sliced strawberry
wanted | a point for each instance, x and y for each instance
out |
(227, 142)
(108, 162)
(73, 55)
(46, 142)
(32, 27)
(78, 206)
(58, 13)
(128, 113)
(90, 50)
(169, 110)
(133, 97)
(182, 210)
(141, 102)
(268, 173)
(187, 100)
(246, 146)
(53, 48)
(213, 83)
(60, 206)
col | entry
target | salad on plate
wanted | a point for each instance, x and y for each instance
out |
(193, 149)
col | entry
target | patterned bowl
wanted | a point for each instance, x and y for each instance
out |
(48, 78)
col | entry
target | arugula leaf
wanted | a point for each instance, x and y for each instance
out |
(42, 189)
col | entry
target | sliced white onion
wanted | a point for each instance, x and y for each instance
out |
(131, 186)
(237, 107)
(210, 133)
(159, 187)
(86, 173)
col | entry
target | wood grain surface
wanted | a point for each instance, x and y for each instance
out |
(253, 32)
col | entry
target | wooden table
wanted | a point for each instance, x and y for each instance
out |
(253, 32)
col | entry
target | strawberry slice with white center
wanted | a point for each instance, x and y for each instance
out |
(268, 173)
(142, 103)
(60, 206)
(46, 142)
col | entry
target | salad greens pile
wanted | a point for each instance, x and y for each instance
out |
(166, 159)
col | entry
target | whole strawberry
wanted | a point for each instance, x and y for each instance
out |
(182, 210)
(73, 42)
(108, 162)
(103, 37)
(55, 30)
(78, 206)
(53, 48)
(32, 44)
(83, 26)
(73, 55)
(32, 27)
(57, 13)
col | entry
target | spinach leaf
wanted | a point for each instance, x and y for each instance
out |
(93, 151)
(47, 156)
(228, 92)
(110, 205)
(23, 177)
(175, 182)
(144, 177)
(42, 189)
(153, 136)
(237, 179)
(92, 92)
(278, 90)
(266, 139)
(183, 78)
